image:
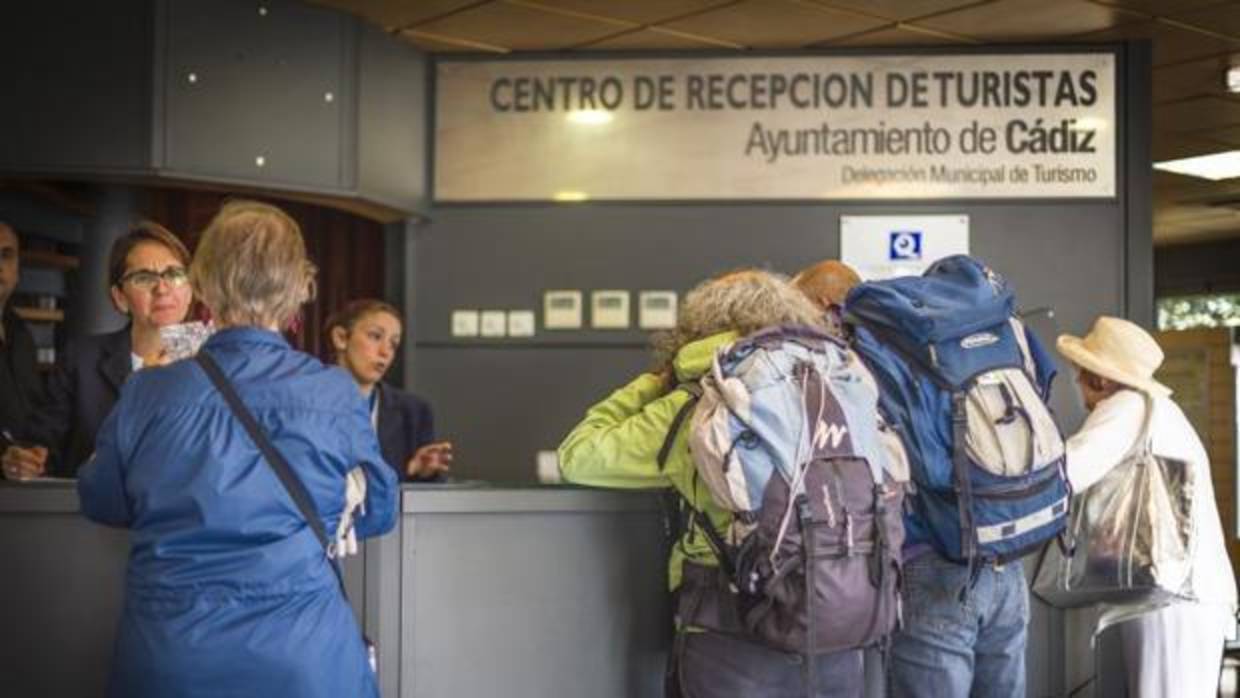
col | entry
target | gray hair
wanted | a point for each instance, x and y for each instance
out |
(251, 266)
(743, 301)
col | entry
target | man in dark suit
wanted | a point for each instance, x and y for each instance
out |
(20, 386)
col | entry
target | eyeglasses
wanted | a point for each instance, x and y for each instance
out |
(146, 280)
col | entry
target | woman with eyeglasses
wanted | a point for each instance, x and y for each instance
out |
(148, 281)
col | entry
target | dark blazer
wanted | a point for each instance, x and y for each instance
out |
(405, 425)
(21, 388)
(83, 388)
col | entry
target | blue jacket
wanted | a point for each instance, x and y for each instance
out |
(80, 394)
(228, 592)
(405, 424)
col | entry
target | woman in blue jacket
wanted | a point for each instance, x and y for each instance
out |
(228, 591)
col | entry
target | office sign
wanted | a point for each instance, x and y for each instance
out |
(882, 247)
(857, 127)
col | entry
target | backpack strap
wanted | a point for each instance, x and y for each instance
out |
(703, 522)
(695, 394)
(964, 483)
(695, 519)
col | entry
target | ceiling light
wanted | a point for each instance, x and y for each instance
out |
(1091, 123)
(590, 117)
(1215, 166)
(1233, 79)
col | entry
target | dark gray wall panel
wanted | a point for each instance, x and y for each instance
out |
(98, 89)
(393, 108)
(501, 406)
(263, 71)
(504, 401)
(77, 83)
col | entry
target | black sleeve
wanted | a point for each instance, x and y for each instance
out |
(426, 425)
(21, 385)
(52, 418)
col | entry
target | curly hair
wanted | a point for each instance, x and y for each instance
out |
(742, 301)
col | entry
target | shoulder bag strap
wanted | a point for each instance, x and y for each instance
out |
(283, 470)
(1144, 444)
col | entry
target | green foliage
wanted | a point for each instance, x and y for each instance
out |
(1188, 312)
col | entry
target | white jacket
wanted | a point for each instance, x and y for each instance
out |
(1110, 433)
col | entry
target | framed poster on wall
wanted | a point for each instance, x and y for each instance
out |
(881, 247)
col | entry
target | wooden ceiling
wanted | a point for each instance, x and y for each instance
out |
(1195, 41)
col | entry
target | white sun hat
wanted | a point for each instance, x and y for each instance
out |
(1119, 350)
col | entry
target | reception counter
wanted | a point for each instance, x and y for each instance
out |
(525, 592)
(538, 592)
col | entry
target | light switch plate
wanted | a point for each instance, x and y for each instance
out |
(494, 323)
(464, 323)
(520, 323)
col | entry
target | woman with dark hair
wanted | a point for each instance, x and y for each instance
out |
(148, 280)
(365, 335)
(230, 589)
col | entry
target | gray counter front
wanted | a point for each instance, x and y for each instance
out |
(539, 592)
(533, 592)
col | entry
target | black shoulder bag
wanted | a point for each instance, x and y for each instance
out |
(284, 472)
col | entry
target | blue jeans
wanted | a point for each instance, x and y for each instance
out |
(949, 649)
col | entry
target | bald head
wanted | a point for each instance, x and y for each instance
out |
(8, 262)
(827, 282)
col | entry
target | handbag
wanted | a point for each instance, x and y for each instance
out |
(284, 472)
(1131, 536)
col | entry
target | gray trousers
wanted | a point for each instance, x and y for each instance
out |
(716, 665)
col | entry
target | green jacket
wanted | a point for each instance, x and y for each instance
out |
(618, 442)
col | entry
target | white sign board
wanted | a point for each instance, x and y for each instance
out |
(1005, 125)
(880, 247)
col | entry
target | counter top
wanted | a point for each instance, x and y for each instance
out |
(475, 497)
(447, 498)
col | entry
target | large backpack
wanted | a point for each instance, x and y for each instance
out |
(966, 385)
(785, 435)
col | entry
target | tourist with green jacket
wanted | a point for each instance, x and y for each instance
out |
(618, 445)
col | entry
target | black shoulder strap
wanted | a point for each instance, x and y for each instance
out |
(963, 481)
(695, 393)
(277, 462)
(696, 518)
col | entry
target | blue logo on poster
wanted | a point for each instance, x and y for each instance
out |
(904, 245)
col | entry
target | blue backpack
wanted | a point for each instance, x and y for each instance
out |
(965, 385)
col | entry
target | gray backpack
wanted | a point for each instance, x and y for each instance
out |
(786, 435)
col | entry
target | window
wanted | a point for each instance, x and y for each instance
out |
(1188, 312)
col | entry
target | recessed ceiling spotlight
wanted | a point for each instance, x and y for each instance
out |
(1233, 79)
